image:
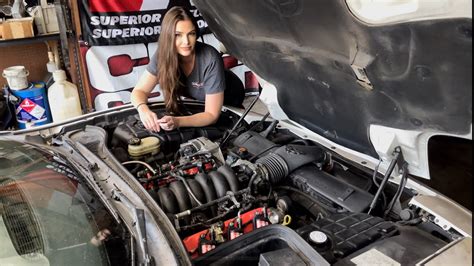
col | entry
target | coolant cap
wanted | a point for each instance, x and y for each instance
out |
(318, 237)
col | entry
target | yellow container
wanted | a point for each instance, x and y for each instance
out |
(150, 145)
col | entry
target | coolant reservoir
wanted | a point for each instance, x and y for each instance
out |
(63, 98)
(150, 145)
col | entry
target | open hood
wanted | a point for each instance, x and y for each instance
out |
(338, 76)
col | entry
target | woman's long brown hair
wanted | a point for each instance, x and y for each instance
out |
(168, 60)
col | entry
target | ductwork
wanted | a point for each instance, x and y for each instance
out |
(279, 164)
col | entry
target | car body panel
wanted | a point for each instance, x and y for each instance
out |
(337, 76)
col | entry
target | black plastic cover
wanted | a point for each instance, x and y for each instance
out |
(347, 233)
(246, 249)
(318, 183)
(255, 143)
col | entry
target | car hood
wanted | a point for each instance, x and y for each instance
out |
(340, 76)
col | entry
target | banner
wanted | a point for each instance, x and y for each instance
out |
(119, 37)
(119, 22)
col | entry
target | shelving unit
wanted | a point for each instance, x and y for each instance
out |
(35, 39)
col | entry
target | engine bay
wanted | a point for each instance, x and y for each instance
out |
(224, 189)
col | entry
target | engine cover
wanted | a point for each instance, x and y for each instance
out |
(347, 233)
(321, 184)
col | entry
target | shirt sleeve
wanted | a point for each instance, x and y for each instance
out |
(214, 79)
(153, 65)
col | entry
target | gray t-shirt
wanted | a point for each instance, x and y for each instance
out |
(207, 76)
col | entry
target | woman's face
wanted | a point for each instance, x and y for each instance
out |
(185, 37)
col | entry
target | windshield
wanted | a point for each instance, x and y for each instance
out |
(49, 216)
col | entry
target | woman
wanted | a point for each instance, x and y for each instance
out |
(183, 67)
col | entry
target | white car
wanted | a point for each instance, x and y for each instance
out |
(366, 94)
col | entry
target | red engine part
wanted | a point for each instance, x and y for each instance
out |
(233, 228)
(195, 170)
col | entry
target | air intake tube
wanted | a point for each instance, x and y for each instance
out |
(277, 165)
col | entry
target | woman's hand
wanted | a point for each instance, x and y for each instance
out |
(149, 119)
(139, 98)
(168, 123)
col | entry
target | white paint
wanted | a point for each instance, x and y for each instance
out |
(414, 145)
(380, 12)
(441, 221)
(270, 99)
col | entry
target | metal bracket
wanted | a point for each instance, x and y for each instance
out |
(398, 155)
(63, 31)
(359, 63)
(233, 199)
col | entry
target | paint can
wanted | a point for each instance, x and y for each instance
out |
(16, 77)
(32, 107)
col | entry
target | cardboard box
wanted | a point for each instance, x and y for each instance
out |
(1, 29)
(18, 28)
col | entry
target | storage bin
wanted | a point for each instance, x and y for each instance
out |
(18, 28)
(45, 18)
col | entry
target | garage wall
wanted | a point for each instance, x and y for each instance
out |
(33, 56)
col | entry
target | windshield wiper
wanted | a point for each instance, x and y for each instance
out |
(138, 225)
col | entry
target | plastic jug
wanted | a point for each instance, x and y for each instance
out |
(63, 98)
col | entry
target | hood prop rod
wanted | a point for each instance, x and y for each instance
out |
(240, 121)
(397, 160)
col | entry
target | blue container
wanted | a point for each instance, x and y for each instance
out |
(32, 108)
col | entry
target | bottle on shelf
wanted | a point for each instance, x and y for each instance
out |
(51, 65)
(63, 98)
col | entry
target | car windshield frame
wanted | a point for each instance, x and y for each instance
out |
(49, 214)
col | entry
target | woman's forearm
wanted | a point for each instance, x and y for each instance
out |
(138, 97)
(197, 120)
(142, 90)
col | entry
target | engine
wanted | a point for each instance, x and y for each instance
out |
(215, 193)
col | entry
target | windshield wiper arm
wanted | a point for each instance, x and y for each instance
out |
(138, 224)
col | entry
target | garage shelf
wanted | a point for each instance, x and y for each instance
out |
(35, 39)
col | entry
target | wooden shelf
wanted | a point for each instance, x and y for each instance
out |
(36, 39)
